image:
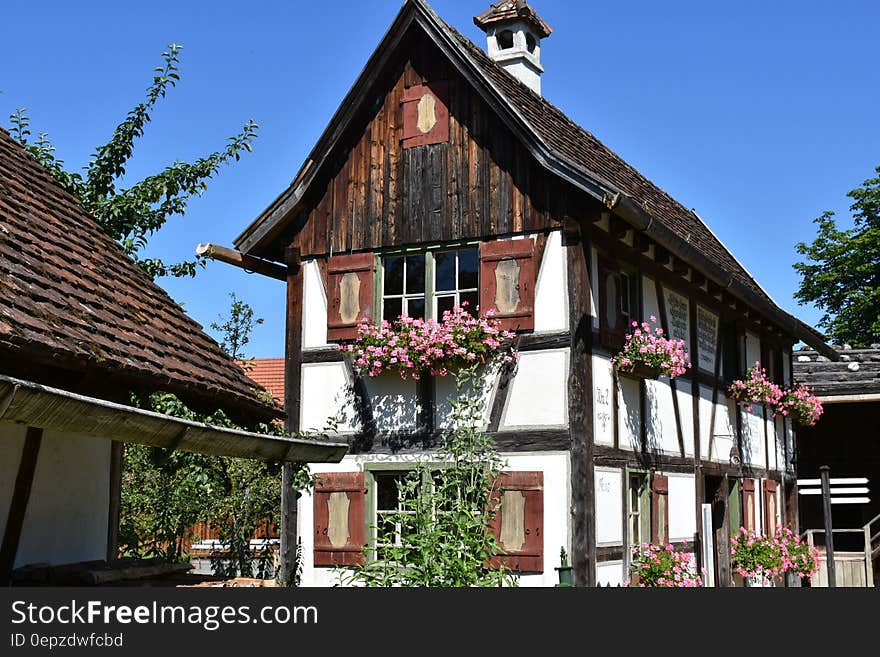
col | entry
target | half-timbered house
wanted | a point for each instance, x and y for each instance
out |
(445, 170)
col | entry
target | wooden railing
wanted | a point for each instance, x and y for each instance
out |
(853, 568)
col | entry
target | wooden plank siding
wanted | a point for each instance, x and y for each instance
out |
(480, 183)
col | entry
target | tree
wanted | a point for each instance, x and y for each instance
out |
(841, 271)
(236, 329)
(131, 215)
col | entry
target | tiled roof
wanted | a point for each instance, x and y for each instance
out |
(581, 147)
(269, 373)
(72, 301)
(511, 10)
(856, 373)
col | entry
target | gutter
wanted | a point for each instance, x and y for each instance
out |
(627, 208)
(34, 405)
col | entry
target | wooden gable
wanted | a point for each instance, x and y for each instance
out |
(391, 185)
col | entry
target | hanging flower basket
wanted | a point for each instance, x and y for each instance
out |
(800, 405)
(641, 371)
(647, 354)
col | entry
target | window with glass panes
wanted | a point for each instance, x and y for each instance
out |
(388, 506)
(423, 285)
(638, 509)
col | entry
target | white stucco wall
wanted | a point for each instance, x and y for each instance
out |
(753, 350)
(725, 426)
(603, 424)
(314, 307)
(662, 433)
(11, 443)
(538, 394)
(66, 519)
(753, 437)
(324, 390)
(610, 573)
(629, 414)
(682, 505)
(445, 392)
(649, 299)
(609, 505)
(557, 495)
(551, 289)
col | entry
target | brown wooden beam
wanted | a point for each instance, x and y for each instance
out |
(242, 260)
(287, 552)
(114, 506)
(21, 494)
(580, 412)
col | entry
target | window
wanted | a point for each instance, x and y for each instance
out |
(730, 352)
(505, 39)
(638, 509)
(618, 303)
(531, 42)
(388, 509)
(424, 285)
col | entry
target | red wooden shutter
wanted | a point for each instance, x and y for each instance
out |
(425, 114)
(770, 503)
(339, 505)
(748, 494)
(349, 294)
(518, 525)
(612, 320)
(660, 509)
(507, 282)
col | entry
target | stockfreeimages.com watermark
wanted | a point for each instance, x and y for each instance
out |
(209, 617)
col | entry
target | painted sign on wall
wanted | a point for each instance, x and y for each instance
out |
(707, 339)
(677, 316)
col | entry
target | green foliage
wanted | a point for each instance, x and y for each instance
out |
(165, 493)
(236, 329)
(446, 509)
(841, 270)
(133, 214)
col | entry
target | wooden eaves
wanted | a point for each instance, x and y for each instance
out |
(35, 405)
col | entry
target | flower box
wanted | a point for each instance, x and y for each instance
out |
(640, 371)
(647, 354)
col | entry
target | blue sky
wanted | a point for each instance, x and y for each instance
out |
(759, 115)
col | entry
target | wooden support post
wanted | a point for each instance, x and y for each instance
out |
(580, 410)
(824, 474)
(21, 493)
(114, 505)
(292, 390)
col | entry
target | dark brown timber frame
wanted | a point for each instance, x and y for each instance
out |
(21, 493)
(580, 407)
(292, 394)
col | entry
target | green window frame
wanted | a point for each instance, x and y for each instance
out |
(638, 507)
(435, 295)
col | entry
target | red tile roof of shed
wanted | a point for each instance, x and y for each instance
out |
(269, 373)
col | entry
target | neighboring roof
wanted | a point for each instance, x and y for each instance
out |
(48, 408)
(268, 373)
(561, 146)
(73, 301)
(855, 376)
(512, 10)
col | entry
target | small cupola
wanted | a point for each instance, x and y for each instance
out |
(513, 35)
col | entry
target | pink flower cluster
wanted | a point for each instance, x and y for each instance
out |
(648, 346)
(659, 566)
(766, 557)
(801, 405)
(798, 403)
(416, 346)
(756, 389)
